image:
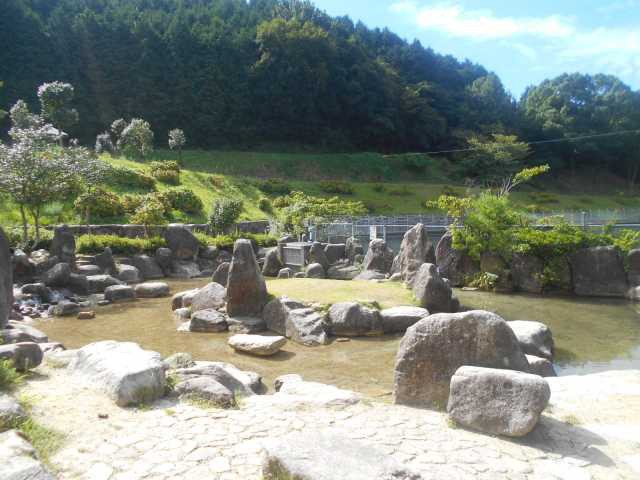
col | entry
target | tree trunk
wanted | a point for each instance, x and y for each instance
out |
(633, 175)
(36, 221)
(25, 225)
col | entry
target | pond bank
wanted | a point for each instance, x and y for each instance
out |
(177, 440)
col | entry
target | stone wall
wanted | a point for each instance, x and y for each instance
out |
(137, 231)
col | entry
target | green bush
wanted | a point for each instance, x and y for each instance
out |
(225, 213)
(151, 213)
(166, 172)
(402, 191)
(98, 203)
(9, 377)
(226, 242)
(379, 188)
(14, 236)
(89, 244)
(264, 204)
(133, 203)
(336, 187)
(183, 200)
(130, 178)
(273, 186)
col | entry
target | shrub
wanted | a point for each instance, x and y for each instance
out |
(449, 191)
(166, 172)
(224, 214)
(274, 186)
(152, 212)
(226, 242)
(136, 140)
(379, 188)
(183, 200)
(9, 377)
(336, 187)
(264, 204)
(400, 191)
(130, 178)
(217, 181)
(87, 244)
(104, 144)
(98, 203)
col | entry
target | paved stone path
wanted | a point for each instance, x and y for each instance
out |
(588, 433)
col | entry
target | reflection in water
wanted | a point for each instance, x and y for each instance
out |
(590, 335)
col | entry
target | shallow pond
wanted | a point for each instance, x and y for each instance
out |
(590, 335)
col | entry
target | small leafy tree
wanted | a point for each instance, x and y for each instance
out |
(55, 104)
(491, 160)
(177, 141)
(22, 118)
(225, 213)
(151, 212)
(34, 172)
(136, 139)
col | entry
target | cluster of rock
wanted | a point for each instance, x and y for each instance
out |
(485, 371)
(590, 272)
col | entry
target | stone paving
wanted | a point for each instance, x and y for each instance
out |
(181, 441)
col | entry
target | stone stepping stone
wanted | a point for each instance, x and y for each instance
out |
(257, 344)
(152, 290)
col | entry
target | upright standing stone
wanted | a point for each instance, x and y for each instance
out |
(379, 257)
(106, 262)
(246, 288)
(633, 261)
(432, 291)
(416, 249)
(182, 243)
(63, 245)
(435, 347)
(318, 255)
(454, 265)
(6, 280)
(272, 263)
(599, 272)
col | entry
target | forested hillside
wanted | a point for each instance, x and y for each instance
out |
(246, 74)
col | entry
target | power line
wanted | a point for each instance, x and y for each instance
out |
(538, 142)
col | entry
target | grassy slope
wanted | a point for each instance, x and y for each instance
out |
(405, 190)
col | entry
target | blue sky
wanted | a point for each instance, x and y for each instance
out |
(524, 42)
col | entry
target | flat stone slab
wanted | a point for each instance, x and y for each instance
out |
(323, 455)
(152, 290)
(398, 319)
(257, 344)
(18, 459)
(208, 321)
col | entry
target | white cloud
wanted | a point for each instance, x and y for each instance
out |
(555, 39)
(454, 20)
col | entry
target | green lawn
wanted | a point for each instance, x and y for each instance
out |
(387, 294)
(386, 185)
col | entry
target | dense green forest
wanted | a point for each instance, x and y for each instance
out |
(281, 72)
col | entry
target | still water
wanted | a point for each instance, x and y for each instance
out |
(590, 335)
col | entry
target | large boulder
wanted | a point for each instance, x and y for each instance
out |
(42, 261)
(379, 257)
(633, 262)
(221, 275)
(350, 319)
(343, 271)
(163, 259)
(244, 383)
(208, 321)
(105, 262)
(183, 244)
(435, 347)
(293, 320)
(285, 273)
(535, 338)
(498, 402)
(316, 270)
(24, 269)
(398, 319)
(318, 455)
(541, 366)
(335, 252)
(272, 263)
(124, 371)
(246, 288)
(184, 269)
(415, 250)
(432, 291)
(99, 283)
(152, 290)
(147, 266)
(353, 248)
(454, 265)
(210, 296)
(318, 255)
(261, 345)
(63, 245)
(64, 308)
(599, 272)
(78, 284)
(128, 274)
(183, 299)
(57, 276)
(6, 280)
(19, 460)
(24, 355)
(205, 389)
(527, 272)
(21, 332)
(119, 293)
